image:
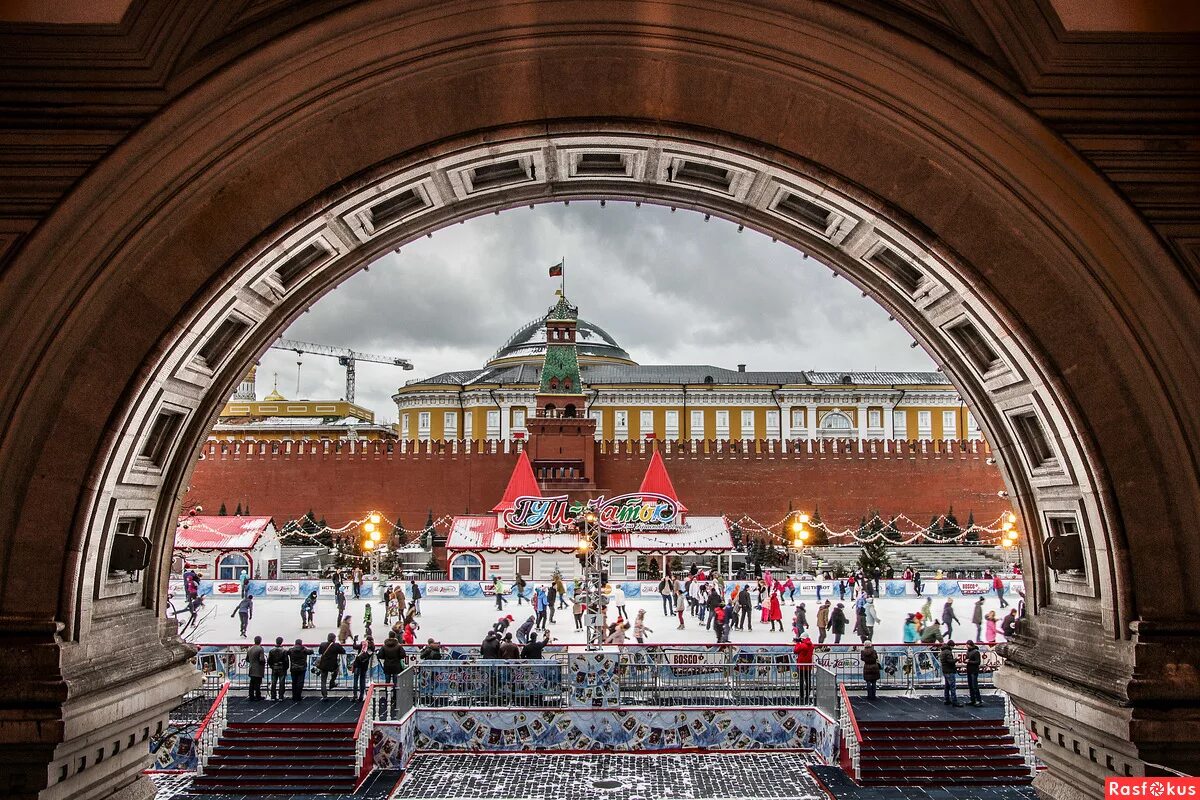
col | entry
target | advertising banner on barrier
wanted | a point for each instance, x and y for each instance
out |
(227, 588)
(175, 589)
(693, 661)
(974, 587)
(441, 589)
(647, 588)
(283, 588)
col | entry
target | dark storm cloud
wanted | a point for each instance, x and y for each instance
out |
(669, 286)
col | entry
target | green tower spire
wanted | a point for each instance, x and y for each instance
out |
(560, 370)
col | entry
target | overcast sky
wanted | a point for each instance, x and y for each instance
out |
(670, 287)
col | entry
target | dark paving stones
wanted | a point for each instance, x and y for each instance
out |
(607, 776)
(310, 710)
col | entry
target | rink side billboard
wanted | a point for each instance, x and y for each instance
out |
(467, 590)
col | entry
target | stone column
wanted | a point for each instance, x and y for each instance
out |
(889, 421)
(860, 419)
(505, 421)
(810, 420)
(785, 422)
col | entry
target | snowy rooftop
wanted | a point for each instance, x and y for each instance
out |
(220, 533)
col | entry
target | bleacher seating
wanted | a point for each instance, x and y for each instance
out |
(964, 560)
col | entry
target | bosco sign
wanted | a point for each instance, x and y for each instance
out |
(626, 512)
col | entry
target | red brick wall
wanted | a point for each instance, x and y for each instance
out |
(845, 484)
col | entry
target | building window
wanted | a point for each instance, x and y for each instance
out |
(468, 425)
(646, 423)
(621, 424)
(525, 566)
(232, 567)
(672, 425)
(404, 426)
(798, 421)
(599, 417)
(925, 424)
(722, 424)
(618, 566)
(696, 429)
(466, 567)
(748, 424)
(949, 426)
(450, 425)
(874, 418)
(518, 418)
(900, 423)
(493, 424)
(836, 425)
(773, 425)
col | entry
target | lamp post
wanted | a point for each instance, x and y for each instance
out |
(1008, 531)
(370, 540)
(588, 551)
(800, 535)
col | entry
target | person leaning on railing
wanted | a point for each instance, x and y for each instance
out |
(803, 649)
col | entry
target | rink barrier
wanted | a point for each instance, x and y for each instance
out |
(473, 590)
(902, 666)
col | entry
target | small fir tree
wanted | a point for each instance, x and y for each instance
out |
(221, 512)
(874, 552)
(237, 512)
(398, 538)
(972, 536)
(819, 536)
(950, 528)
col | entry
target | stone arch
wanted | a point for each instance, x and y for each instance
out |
(1030, 280)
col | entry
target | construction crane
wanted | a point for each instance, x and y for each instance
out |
(345, 357)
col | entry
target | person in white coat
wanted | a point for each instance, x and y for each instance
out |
(618, 600)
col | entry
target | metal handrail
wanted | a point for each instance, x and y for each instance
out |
(1014, 720)
(212, 727)
(362, 736)
(849, 726)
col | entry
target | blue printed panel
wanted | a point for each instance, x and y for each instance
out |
(615, 730)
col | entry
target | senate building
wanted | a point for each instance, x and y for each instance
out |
(629, 400)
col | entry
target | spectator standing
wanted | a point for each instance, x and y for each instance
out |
(432, 651)
(277, 660)
(577, 611)
(668, 602)
(329, 664)
(256, 667)
(361, 667)
(870, 668)
(392, 658)
(804, 658)
(974, 663)
(298, 667)
(508, 648)
(356, 581)
(744, 609)
(870, 617)
(677, 597)
(551, 600)
(823, 621)
(977, 619)
(949, 674)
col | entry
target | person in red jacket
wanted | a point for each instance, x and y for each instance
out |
(775, 613)
(804, 660)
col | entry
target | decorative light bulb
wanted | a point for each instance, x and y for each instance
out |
(803, 518)
(374, 518)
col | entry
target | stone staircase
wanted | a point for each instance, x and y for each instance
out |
(280, 759)
(970, 752)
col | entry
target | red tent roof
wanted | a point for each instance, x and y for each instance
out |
(220, 533)
(521, 484)
(657, 480)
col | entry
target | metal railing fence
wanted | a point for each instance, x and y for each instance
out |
(492, 682)
(392, 700)
(767, 681)
(1017, 726)
(211, 727)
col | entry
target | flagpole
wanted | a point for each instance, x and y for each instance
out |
(564, 277)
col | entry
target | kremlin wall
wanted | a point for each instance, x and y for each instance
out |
(341, 481)
(736, 443)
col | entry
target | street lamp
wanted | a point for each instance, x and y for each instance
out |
(800, 536)
(370, 540)
(1009, 533)
(588, 551)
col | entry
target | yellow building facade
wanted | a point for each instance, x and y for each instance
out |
(275, 418)
(634, 401)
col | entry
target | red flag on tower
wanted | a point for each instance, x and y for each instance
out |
(557, 270)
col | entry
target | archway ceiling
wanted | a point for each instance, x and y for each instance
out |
(1118, 80)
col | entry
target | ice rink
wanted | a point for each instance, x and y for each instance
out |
(465, 621)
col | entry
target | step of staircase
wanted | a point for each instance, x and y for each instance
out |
(282, 759)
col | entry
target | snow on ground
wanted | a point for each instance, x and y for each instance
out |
(465, 621)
